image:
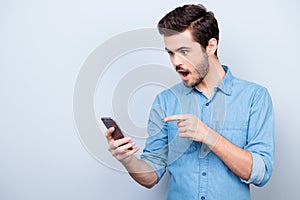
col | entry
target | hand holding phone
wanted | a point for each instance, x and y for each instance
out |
(117, 134)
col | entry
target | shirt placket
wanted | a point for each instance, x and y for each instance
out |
(204, 151)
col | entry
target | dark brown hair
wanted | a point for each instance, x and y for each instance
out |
(202, 23)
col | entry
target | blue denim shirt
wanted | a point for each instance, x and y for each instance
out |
(240, 111)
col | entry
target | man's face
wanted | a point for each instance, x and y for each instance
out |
(188, 57)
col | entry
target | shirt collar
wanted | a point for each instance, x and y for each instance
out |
(225, 86)
(188, 90)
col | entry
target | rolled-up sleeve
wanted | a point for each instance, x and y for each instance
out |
(260, 138)
(156, 149)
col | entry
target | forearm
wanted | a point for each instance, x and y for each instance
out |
(238, 160)
(123, 150)
(141, 172)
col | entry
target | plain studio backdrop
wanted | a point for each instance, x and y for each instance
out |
(43, 45)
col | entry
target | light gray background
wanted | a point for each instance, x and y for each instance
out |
(44, 44)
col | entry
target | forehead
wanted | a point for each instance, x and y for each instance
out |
(179, 40)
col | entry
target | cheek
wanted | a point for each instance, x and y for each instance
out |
(191, 61)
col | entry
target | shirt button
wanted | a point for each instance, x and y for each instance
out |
(203, 174)
(202, 198)
(193, 148)
(207, 104)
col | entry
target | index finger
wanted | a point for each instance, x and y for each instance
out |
(173, 118)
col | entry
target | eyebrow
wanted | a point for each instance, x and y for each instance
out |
(179, 49)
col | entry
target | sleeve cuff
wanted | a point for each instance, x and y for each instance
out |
(157, 167)
(258, 170)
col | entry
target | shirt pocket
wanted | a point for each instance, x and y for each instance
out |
(177, 144)
(234, 131)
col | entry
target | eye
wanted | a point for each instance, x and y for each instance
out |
(184, 52)
(170, 53)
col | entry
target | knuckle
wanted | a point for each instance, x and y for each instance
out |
(110, 147)
(118, 157)
(113, 153)
(118, 151)
(129, 153)
(111, 144)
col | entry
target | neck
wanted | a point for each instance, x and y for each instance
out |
(213, 78)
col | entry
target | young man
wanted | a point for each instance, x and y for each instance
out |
(213, 132)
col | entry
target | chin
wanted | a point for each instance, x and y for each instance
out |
(187, 84)
(192, 84)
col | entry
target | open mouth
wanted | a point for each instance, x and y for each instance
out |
(184, 73)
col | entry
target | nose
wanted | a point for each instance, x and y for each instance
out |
(176, 60)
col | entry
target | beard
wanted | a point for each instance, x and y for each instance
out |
(199, 72)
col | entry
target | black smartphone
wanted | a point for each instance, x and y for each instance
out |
(117, 134)
(109, 122)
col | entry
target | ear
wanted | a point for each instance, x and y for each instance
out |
(211, 47)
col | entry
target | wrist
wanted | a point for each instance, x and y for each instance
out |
(212, 138)
(127, 161)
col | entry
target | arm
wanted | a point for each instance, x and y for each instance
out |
(238, 160)
(138, 169)
(254, 162)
